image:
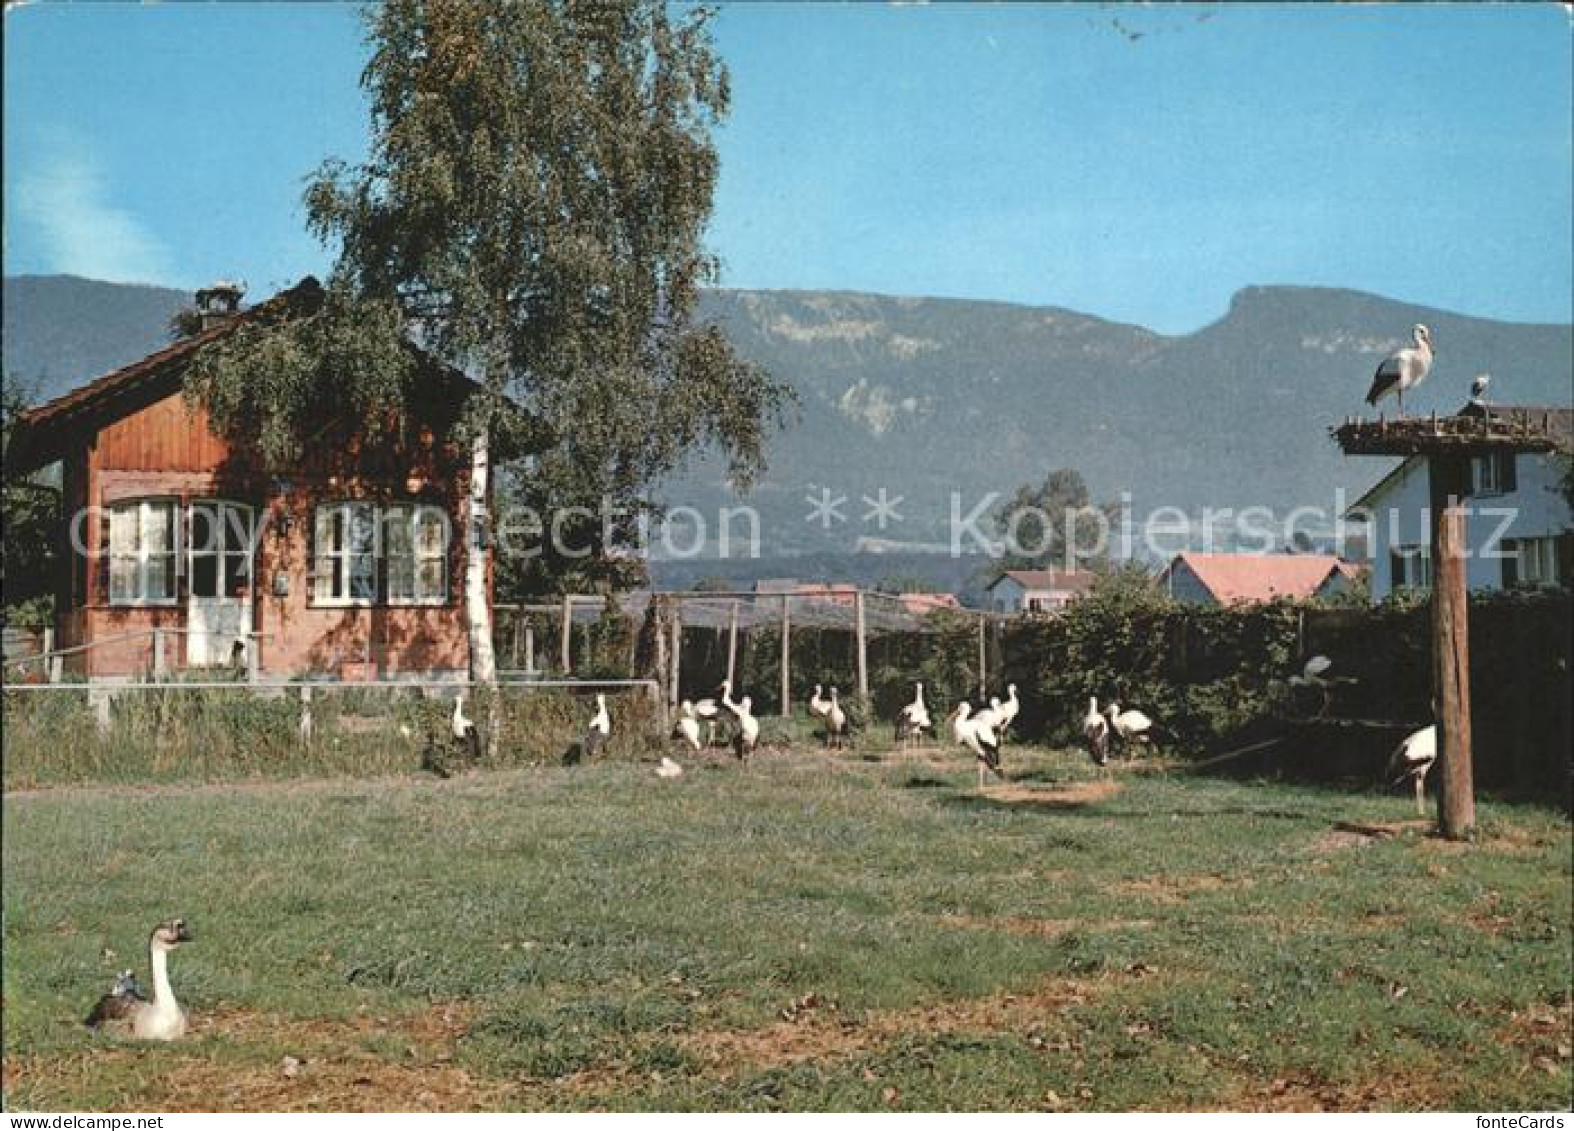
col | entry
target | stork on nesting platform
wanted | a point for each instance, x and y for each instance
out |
(1403, 369)
(1412, 759)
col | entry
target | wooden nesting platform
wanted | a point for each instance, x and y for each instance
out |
(1467, 434)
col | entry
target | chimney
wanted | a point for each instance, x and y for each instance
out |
(219, 303)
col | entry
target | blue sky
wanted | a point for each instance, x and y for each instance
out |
(1137, 162)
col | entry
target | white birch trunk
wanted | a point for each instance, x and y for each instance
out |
(478, 610)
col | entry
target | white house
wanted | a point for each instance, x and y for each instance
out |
(1037, 590)
(1519, 529)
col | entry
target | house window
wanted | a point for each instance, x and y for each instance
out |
(417, 554)
(1492, 474)
(220, 545)
(142, 551)
(344, 566)
(1530, 561)
(1411, 567)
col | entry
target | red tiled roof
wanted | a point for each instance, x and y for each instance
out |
(1073, 580)
(1258, 577)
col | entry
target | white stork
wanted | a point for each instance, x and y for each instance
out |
(819, 705)
(748, 733)
(1129, 726)
(976, 734)
(1095, 732)
(1311, 675)
(709, 711)
(464, 729)
(687, 727)
(1008, 711)
(1412, 759)
(600, 728)
(1478, 389)
(1403, 369)
(835, 723)
(913, 720)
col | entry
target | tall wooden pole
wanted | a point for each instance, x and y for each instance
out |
(863, 644)
(786, 664)
(1456, 799)
(732, 644)
(983, 658)
(566, 636)
(677, 654)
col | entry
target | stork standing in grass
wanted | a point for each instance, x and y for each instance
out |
(747, 736)
(1403, 369)
(1412, 759)
(819, 705)
(835, 723)
(1129, 726)
(1095, 732)
(596, 734)
(913, 720)
(975, 733)
(1313, 675)
(709, 711)
(687, 727)
(464, 729)
(1007, 712)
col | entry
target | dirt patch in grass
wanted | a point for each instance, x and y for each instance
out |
(1418, 1092)
(1545, 1034)
(1041, 928)
(239, 1060)
(1073, 796)
(1178, 889)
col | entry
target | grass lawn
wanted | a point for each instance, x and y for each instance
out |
(863, 931)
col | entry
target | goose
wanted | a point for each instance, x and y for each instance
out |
(1412, 759)
(129, 1015)
(914, 718)
(819, 706)
(687, 727)
(1403, 369)
(748, 733)
(1130, 726)
(835, 723)
(1095, 732)
(669, 768)
(464, 729)
(975, 734)
(1008, 710)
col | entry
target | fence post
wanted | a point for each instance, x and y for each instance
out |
(158, 653)
(102, 703)
(786, 658)
(732, 643)
(566, 636)
(519, 626)
(983, 659)
(52, 664)
(306, 715)
(677, 654)
(1450, 478)
(253, 656)
(530, 648)
(863, 644)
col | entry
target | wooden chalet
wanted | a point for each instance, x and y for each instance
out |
(185, 550)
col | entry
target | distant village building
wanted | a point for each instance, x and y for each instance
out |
(1231, 579)
(1038, 590)
(346, 563)
(1519, 529)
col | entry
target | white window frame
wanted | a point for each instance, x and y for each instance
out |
(1418, 567)
(142, 554)
(1487, 474)
(226, 523)
(1538, 561)
(408, 518)
(332, 563)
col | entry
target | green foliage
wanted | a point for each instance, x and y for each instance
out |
(539, 183)
(29, 511)
(277, 383)
(1037, 520)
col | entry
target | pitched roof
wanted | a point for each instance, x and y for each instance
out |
(1066, 580)
(1257, 577)
(44, 432)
